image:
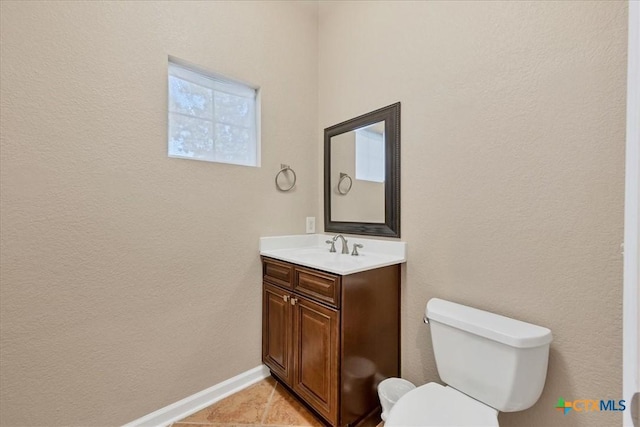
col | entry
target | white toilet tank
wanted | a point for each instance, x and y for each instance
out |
(497, 360)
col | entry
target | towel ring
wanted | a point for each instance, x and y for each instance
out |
(284, 168)
(344, 176)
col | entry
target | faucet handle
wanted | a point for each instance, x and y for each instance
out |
(355, 249)
(333, 245)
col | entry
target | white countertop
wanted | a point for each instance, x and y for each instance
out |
(310, 250)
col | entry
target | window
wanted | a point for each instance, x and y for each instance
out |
(212, 118)
(369, 155)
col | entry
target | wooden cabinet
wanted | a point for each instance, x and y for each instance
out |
(331, 339)
(315, 330)
(277, 349)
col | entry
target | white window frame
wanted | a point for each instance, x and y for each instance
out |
(195, 74)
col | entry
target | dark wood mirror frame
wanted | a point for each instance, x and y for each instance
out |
(391, 226)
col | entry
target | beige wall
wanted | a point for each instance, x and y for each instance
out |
(131, 280)
(513, 117)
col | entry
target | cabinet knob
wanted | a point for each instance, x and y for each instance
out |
(285, 298)
(294, 301)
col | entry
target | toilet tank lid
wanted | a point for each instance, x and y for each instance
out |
(512, 332)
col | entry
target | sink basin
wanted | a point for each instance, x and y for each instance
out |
(310, 250)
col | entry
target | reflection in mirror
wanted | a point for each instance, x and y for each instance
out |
(357, 165)
(362, 174)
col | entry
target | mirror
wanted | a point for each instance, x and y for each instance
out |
(362, 174)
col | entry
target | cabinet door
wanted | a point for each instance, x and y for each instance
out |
(277, 328)
(316, 351)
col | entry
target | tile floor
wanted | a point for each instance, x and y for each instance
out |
(265, 403)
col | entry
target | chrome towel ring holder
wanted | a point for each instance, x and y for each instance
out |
(285, 168)
(343, 177)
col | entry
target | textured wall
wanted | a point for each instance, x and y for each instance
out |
(128, 280)
(131, 280)
(513, 118)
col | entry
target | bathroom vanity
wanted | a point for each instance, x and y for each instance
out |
(331, 322)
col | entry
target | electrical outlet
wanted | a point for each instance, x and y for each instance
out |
(311, 224)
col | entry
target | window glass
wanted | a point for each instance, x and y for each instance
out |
(211, 118)
(369, 155)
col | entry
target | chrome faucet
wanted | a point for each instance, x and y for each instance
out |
(345, 246)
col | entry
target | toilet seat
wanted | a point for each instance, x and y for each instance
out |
(435, 405)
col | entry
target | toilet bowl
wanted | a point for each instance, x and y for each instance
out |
(490, 363)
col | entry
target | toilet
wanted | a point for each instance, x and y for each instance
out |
(489, 362)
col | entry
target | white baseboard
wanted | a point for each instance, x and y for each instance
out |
(187, 406)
